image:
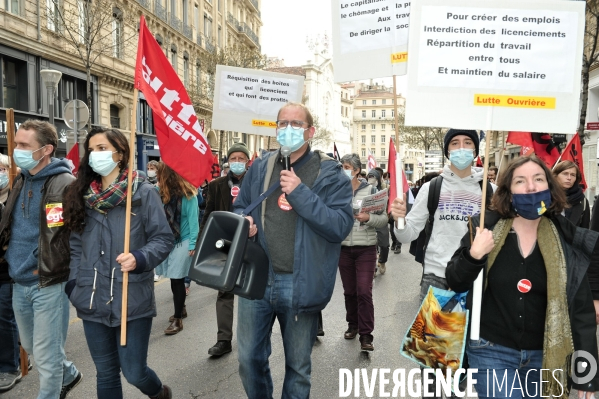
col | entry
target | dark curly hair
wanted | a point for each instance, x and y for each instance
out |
(74, 204)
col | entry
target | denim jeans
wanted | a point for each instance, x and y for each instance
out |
(9, 333)
(356, 267)
(504, 372)
(110, 358)
(254, 329)
(42, 315)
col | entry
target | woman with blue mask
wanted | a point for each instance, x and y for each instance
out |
(95, 213)
(4, 168)
(537, 320)
(357, 261)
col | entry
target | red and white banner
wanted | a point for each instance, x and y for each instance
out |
(183, 145)
(371, 162)
(522, 139)
(73, 159)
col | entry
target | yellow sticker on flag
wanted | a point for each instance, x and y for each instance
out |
(396, 58)
(257, 122)
(494, 100)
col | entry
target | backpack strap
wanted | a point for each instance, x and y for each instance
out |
(434, 192)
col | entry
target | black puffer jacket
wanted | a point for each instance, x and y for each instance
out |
(579, 245)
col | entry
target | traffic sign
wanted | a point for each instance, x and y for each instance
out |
(76, 114)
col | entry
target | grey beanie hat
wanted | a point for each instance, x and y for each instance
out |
(238, 147)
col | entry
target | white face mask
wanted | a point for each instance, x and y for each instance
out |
(372, 181)
(151, 173)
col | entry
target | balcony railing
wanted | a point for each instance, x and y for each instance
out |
(232, 20)
(210, 47)
(159, 10)
(248, 31)
(175, 22)
(144, 3)
(188, 31)
(199, 39)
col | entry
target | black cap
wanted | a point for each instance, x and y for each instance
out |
(451, 133)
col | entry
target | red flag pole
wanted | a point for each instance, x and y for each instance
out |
(128, 218)
(560, 155)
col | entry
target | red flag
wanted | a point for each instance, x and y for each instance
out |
(545, 149)
(371, 162)
(73, 159)
(183, 145)
(391, 170)
(522, 139)
(215, 171)
(479, 163)
(253, 157)
(573, 152)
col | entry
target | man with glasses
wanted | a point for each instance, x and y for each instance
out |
(300, 226)
(222, 192)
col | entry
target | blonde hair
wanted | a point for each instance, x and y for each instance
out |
(309, 118)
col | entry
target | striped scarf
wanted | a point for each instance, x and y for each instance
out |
(104, 200)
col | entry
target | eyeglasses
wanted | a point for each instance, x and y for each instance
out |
(294, 124)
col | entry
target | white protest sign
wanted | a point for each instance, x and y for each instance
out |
(495, 65)
(370, 38)
(248, 100)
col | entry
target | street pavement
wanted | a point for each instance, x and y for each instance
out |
(182, 362)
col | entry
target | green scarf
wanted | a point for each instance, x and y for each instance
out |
(557, 342)
(104, 200)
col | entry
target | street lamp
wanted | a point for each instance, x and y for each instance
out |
(50, 79)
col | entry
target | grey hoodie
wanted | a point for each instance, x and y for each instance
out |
(459, 199)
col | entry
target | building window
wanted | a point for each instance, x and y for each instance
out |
(174, 58)
(117, 32)
(363, 127)
(374, 113)
(373, 152)
(13, 6)
(383, 113)
(207, 26)
(382, 154)
(220, 5)
(363, 139)
(219, 36)
(373, 126)
(383, 165)
(72, 88)
(363, 114)
(393, 126)
(373, 102)
(363, 102)
(383, 139)
(373, 139)
(14, 84)
(392, 113)
(83, 25)
(384, 101)
(185, 69)
(383, 126)
(184, 13)
(173, 8)
(196, 17)
(53, 14)
(198, 78)
(363, 152)
(145, 122)
(115, 121)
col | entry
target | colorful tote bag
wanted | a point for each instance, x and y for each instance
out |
(437, 337)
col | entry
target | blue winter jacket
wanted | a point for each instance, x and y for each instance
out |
(325, 219)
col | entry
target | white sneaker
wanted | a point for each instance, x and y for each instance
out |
(156, 277)
(382, 268)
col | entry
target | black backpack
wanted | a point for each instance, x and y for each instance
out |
(434, 192)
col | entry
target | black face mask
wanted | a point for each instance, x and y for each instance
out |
(532, 206)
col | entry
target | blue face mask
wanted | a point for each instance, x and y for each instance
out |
(462, 158)
(24, 159)
(101, 162)
(293, 138)
(531, 205)
(348, 173)
(3, 180)
(237, 167)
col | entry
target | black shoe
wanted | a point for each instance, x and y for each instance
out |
(397, 249)
(350, 333)
(220, 348)
(67, 388)
(320, 332)
(366, 343)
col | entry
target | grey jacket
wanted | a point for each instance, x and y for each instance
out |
(94, 253)
(367, 236)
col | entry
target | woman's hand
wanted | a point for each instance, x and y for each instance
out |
(127, 262)
(362, 217)
(192, 252)
(483, 243)
(253, 227)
